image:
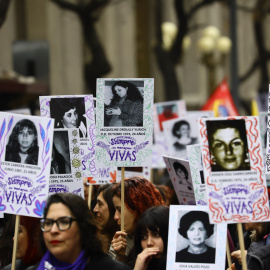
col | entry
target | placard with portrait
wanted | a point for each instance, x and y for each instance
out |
(180, 175)
(76, 111)
(233, 169)
(66, 163)
(26, 148)
(124, 122)
(193, 242)
(179, 133)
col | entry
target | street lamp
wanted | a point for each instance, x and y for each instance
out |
(214, 50)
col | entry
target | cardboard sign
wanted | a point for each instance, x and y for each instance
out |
(26, 148)
(164, 111)
(179, 133)
(74, 112)
(124, 122)
(233, 169)
(66, 164)
(196, 169)
(180, 175)
(189, 227)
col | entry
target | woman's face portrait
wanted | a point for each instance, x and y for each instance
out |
(26, 138)
(121, 91)
(228, 148)
(152, 239)
(181, 174)
(64, 245)
(70, 118)
(184, 131)
(196, 233)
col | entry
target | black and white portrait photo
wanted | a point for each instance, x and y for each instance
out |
(196, 238)
(182, 174)
(60, 162)
(123, 103)
(69, 113)
(22, 146)
(228, 145)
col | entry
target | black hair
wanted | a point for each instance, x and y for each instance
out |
(177, 126)
(133, 92)
(59, 106)
(85, 220)
(188, 219)
(13, 143)
(156, 219)
(238, 124)
(179, 166)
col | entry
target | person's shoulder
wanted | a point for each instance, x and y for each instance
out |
(104, 261)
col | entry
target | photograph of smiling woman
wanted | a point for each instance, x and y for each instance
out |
(228, 145)
(69, 113)
(123, 104)
(22, 146)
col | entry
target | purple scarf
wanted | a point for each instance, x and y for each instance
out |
(49, 262)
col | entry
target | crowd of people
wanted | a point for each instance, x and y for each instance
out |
(72, 236)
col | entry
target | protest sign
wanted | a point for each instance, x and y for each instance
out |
(180, 175)
(233, 169)
(74, 112)
(179, 133)
(124, 122)
(196, 169)
(66, 164)
(26, 148)
(189, 228)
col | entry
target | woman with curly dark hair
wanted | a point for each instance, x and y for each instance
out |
(140, 194)
(196, 228)
(126, 106)
(22, 144)
(70, 236)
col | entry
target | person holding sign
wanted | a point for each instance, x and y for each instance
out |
(140, 194)
(151, 238)
(228, 145)
(70, 239)
(22, 146)
(195, 227)
(126, 106)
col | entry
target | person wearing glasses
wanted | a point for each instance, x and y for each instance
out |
(228, 145)
(70, 239)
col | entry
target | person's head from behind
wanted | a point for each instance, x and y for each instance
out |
(65, 112)
(195, 227)
(28, 249)
(104, 210)
(227, 143)
(24, 136)
(69, 227)
(140, 194)
(180, 170)
(125, 89)
(181, 129)
(152, 230)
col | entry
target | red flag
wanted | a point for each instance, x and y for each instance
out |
(221, 101)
